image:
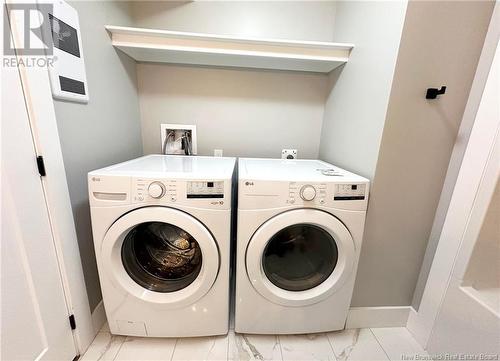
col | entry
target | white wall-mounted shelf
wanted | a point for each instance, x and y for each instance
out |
(162, 46)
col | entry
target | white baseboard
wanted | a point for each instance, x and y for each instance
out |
(98, 317)
(364, 317)
(417, 326)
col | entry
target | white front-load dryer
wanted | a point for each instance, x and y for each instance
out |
(162, 235)
(300, 227)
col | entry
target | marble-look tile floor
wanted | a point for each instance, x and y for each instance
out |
(361, 344)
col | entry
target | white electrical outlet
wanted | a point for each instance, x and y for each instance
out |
(218, 152)
(176, 131)
(289, 154)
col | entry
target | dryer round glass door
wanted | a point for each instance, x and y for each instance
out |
(300, 257)
(161, 255)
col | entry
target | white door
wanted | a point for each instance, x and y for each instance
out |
(468, 320)
(34, 314)
(300, 257)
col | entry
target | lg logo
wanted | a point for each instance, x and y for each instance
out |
(248, 183)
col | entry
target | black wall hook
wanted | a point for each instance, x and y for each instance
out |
(432, 93)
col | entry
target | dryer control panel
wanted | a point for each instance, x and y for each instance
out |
(256, 194)
(349, 192)
(322, 193)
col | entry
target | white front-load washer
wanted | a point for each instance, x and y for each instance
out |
(300, 227)
(162, 235)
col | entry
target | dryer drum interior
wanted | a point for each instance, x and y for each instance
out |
(300, 257)
(161, 257)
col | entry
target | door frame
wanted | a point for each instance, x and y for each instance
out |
(471, 197)
(42, 118)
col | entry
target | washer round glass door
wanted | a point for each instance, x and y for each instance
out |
(300, 257)
(161, 255)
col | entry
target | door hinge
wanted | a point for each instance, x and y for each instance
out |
(72, 322)
(41, 165)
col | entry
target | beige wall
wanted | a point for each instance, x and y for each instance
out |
(249, 113)
(441, 44)
(473, 102)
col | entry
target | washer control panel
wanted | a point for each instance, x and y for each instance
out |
(214, 194)
(205, 189)
(144, 191)
(147, 189)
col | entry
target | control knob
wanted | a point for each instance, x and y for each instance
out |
(307, 192)
(156, 190)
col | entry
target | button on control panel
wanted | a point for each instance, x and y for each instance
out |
(156, 190)
(349, 192)
(151, 189)
(292, 190)
(308, 193)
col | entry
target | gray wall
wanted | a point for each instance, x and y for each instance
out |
(104, 131)
(306, 20)
(440, 45)
(244, 112)
(357, 103)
